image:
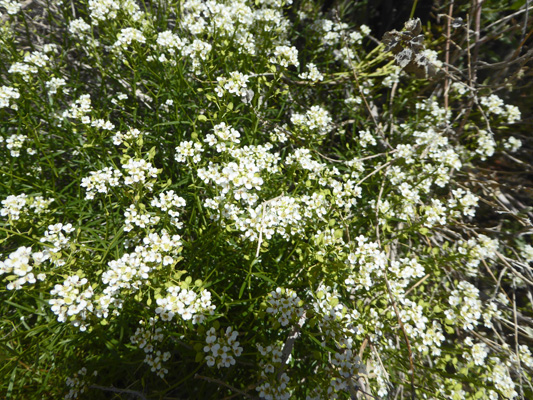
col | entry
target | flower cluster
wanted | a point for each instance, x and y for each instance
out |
(79, 109)
(7, 95)
(30, 65)
(477, 353)
(285, 56)
(502, 380)
(347, 364)
(477, 250)
(14, 144)
(316, 119)
(14, 207)
(139, 172)
(222, 350)
(73, 301)
(224, 137)
(367, 262)
(336, 321)
(130, 271)
(19, 264)
(12, 7)
(185, 303)
(465, 200)
(146, 338)
(275, 387)
(129, 136)
(139, 218)
(495, 105)
(100, 181)
(78, 384)
(197, 51)
(235, 84)
(169, 202)
(127, 36)
(286, 305)
(54, 84)
(239, 178)
(512, 144)
(104, 10)
(486, 145)
(78, 27)
(331, 32)
(189, 150)
(313, 74)
(57, 236)
(466, 299)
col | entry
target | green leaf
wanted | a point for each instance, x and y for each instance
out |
(198, 347)
(151, 153)
(264, 277)
(241, 290)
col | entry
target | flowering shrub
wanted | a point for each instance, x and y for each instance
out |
(220, 198)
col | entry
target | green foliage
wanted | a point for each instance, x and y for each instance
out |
(210, 199)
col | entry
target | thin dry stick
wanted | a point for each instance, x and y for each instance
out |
(470, 78)
(391, 114)
(374, 172)
(117, 390)
(412, 364)
(447, 57)
(380, 362)
(353, 391)
(363, 347)
(475, 54)
(370, 110)
(502, 258)
(389, 291)
(508, 17)
(289, 343)
(421, 281)
(524, 28)
(516, 347)
(221, 383)
(498, 281)
(263, 210)
(468, 53)
(378, 203)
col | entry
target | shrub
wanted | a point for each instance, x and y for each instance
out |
(208, 199)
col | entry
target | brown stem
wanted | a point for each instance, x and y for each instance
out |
(477, 11)
(117, 390)
(447, 57)
(221, 383)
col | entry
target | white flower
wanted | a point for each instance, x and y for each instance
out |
(285, 56)
(7, 94)
(189, 149)
(512, 144)
(79, 27)
(127, 36)
(99, 181)
(313, 74)
(12, 7)
(235, 84)
(315, 119)
(513, 113)
(486, 144)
